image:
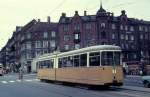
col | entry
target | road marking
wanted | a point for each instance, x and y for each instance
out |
(36, 80)
(28, 80)
(18, 80)
(12, 81)
(4, 82)
(25, 80)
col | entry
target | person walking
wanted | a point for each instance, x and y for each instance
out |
(20, 74)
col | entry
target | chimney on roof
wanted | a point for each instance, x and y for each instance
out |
(85, 13)
(63, 14)
(123, 12)
(49, 19)
(76, 12)
(39, 20)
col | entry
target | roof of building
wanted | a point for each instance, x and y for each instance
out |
(34, 26)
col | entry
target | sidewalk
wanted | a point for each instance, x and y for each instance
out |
(143, 89)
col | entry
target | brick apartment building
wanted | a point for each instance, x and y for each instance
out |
(132, 35)
(29, 41)
(70, 33)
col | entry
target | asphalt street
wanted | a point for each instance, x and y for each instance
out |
(32, 87)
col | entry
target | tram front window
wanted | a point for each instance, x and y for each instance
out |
(110, 58)
(117, 58)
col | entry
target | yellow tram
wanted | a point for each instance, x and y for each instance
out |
(95, 65)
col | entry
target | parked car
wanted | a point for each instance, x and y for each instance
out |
(146, 80)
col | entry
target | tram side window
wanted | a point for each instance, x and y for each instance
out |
(94, 59)
(69, 62)
(76, 61)
(46, 64)
(65, 62)
(59, 62)
(107, 58)
(73, 61)
(51, 63)
(83, 60)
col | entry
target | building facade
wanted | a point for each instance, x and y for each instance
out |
(132, 35)
(29, 41)
(36, 39)
(70, 33)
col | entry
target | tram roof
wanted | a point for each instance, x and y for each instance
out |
(92, 49)
(82, 50)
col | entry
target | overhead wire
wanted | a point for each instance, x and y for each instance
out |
(58, 6)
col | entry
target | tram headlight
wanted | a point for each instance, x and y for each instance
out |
(114, 71)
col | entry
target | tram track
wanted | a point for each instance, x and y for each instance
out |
(131, 93)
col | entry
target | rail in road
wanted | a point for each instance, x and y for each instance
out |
(111, 92)
(34, 88)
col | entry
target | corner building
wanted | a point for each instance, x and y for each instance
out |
(132, 35)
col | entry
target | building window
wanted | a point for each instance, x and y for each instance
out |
(53, 34)
(76, 27)
(132, 37)
(122, 36)
(141, 36)
(45, 44)
(29, 55)
(28, 35)
(121, 27)
(131, 28)
(140, 28)
(38, 44)
(122, 46)
(65, 28)
(133, 46)
(126, 37)
(66, 37)
(113, 36)
(103, 25)
(146, 29)
(77, 46)
(23, 47)
(22, 38)
(146, 36)
(45, 34)
(127, 46)
(88, 26)
(52, 43)
(66, 47)
(103, 34)
(126, 28)
(28, 45)
(113, 26)
(134, 56)
(77, 36)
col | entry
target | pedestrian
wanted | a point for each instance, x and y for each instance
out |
(20, 74)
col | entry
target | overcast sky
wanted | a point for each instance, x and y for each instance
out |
(20, 12)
